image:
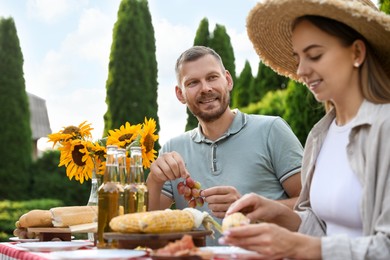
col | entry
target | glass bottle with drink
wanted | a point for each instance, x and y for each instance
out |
(135, 191)
(110, 203)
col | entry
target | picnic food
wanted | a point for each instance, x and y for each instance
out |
(191, 189)
(163, 221)
(73, 215)
(180, 248)
(234, 220)
(23, 233)
(55, 217)
(35, 218)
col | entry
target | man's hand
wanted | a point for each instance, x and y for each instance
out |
(220, 198)
(168, 166)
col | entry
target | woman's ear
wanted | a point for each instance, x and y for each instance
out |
(359, 52)
(179, 94)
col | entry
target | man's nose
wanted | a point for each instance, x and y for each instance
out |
(206, 85)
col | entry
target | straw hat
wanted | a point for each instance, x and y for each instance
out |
(269, 28)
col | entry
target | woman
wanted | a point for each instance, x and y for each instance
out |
(340, 49)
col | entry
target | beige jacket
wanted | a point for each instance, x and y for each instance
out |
(369, 155)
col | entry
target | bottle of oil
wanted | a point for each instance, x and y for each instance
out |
(109, 197)
(135, 191)
(122, 166)
(122, 171)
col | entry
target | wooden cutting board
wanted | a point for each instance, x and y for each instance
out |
(154, 241)
(64, 234)
(82, 228)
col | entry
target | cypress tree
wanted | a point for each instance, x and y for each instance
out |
(221, 43)
(202, 37)
(16, 137)
(132, 73)
(241, 93)
(266, 80)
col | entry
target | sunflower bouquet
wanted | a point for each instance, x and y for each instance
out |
(81, 155)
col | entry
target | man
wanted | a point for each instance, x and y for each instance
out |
(230, 153)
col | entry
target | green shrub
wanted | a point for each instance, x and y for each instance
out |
(10, 212)
(50, 181)
(273, 103)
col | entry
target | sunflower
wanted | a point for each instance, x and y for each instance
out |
(147, 140)
(81, 156)
(123, 136)
(98, 153)
(71, 133)
(75, 156)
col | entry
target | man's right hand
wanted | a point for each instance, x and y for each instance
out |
(168, 166)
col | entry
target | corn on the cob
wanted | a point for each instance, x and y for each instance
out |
(234, 220)
(161, 221)
(153, 222)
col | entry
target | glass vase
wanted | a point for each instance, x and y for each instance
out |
(93, 199)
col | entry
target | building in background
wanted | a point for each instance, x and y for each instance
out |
(39, 121)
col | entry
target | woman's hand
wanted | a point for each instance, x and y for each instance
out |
(260, 209)
(273, 241)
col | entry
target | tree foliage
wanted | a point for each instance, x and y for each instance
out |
(295, 104)
(132, 71)
(16, 136)
(202, 36)
(266, 80)
(302, 110)
(241, 92)
(50, 181)
(385, 6)
(221, 43)
(273, 103)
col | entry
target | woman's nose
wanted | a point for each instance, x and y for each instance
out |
(303, 70)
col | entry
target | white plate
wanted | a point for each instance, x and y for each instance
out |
(231, 252)
(16, 239)
(23, 240)
(54, 245)
(108, 254)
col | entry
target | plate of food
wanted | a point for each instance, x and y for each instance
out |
(108, 254)
(181, 249)
(54, 245)
(231, 252)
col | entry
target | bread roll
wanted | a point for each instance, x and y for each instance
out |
(36, 218)
(73, 215)
(234, 220)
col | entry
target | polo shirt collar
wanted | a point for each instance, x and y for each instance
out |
(238, 123)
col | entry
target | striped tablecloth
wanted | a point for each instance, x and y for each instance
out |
(11, 251)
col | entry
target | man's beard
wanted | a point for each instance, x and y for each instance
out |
(208, 116)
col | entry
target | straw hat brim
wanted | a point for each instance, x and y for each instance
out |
(269, 28)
